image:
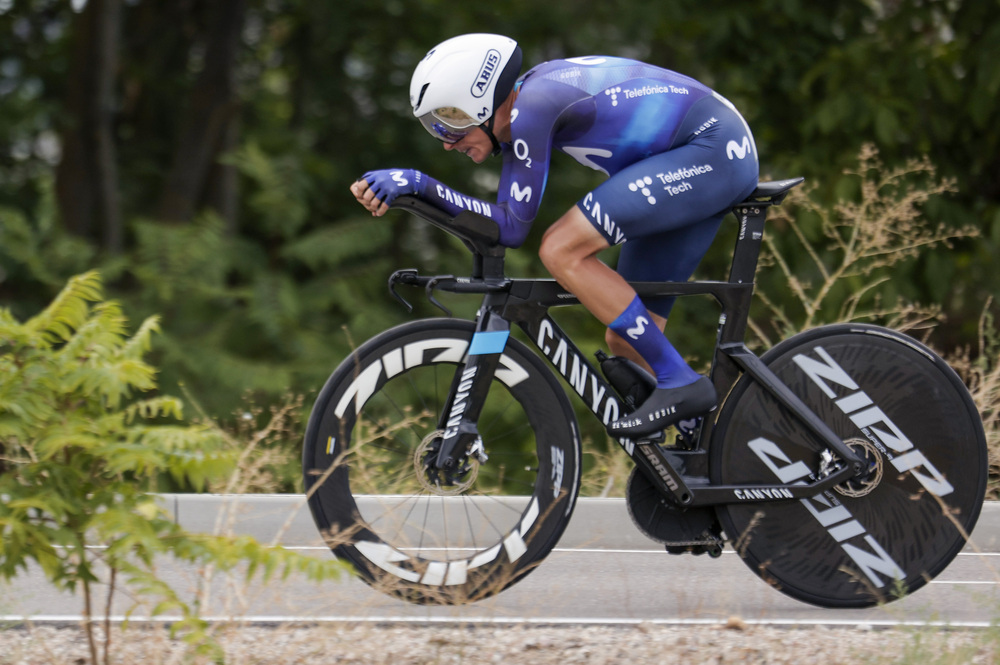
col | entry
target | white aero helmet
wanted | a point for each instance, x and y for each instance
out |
(460, 83)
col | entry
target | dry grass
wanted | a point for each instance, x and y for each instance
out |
(259, 438)
(607, 473)
(980, 370)
(861, 242)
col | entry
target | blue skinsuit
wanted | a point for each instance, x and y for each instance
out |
(678, 157)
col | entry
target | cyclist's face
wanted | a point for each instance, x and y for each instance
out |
(476, 145)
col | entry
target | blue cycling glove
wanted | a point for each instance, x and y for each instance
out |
(388, 184)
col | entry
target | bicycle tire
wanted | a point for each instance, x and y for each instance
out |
(405, 536)
(863, 543)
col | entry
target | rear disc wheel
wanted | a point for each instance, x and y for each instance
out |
(899, 523)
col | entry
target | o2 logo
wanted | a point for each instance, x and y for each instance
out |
(522, 152)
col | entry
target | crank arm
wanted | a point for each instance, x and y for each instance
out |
(655, 465)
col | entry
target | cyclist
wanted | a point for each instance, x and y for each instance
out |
(678, 157)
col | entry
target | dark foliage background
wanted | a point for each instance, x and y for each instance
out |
(198, 152)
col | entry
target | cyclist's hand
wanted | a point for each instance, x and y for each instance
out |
(378, 189)
(366, 197)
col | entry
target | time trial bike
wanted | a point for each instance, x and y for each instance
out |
(846, 465)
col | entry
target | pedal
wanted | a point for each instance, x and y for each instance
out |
(711, 547)
(688, 432)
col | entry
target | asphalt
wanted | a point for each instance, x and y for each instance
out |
(596, 523)
(603, 572)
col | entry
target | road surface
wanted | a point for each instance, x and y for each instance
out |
(603, 572)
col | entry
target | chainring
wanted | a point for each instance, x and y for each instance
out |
(694, 530)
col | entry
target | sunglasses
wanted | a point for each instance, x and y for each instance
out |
(448, 124)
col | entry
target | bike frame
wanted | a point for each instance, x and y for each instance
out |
(679, 473)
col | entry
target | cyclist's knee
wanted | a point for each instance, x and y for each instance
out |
(570, 240)
(550, 254)
(559, 254)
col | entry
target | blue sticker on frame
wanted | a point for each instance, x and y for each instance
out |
(484, 343)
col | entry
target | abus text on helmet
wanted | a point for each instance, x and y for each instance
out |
(486, 72)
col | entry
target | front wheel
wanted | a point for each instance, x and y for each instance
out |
(417, 533)
(881, 535)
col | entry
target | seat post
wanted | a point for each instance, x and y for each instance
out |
(751, 214)
(751, 218)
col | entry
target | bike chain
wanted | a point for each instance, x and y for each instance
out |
(681, 530)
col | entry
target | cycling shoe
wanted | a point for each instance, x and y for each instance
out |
(666, 406)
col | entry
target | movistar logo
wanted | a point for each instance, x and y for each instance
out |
(736, 150)
(486, 73)
(639, 329)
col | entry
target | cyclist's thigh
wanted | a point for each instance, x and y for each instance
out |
(674, 189)
(670, 256)
(667, 208)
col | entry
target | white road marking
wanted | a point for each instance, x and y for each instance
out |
(506, 621)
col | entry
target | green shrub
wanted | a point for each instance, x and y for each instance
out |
(79, 452)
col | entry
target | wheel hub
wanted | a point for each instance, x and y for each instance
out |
(442, 482)
(870, 478)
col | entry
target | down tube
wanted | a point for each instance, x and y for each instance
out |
(571, 364)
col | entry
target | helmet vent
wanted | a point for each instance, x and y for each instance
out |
(421, 97)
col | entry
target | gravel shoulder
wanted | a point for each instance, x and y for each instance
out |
(734, 643)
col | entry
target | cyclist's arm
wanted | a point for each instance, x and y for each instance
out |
(522, 181)
(387, 184)
(513, 229)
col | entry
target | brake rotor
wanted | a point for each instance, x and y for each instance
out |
(858, 487)
(439, 481)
